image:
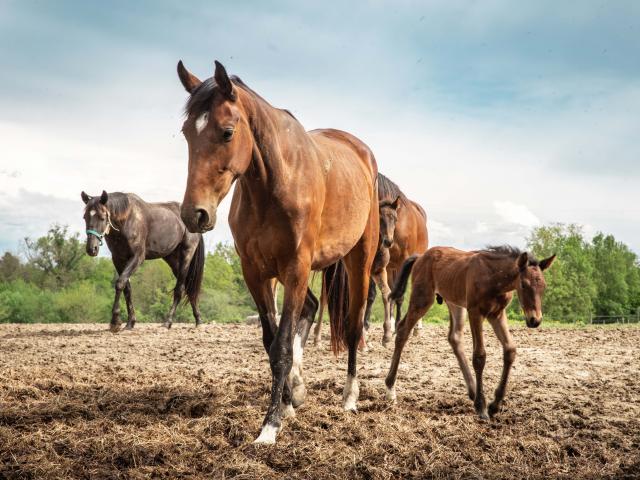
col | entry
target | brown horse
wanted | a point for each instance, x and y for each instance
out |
(135, 231)
(403, 232)
(482, 282)
(303, 201)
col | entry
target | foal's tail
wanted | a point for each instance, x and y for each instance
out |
(335, 281)
(403, 279)
(196, 270)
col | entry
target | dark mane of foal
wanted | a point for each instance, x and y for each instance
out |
(388, 191)
(508, 251)
(200, 100)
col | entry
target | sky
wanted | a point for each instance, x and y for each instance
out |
(497, 117)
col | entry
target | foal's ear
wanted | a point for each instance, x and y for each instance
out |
(224, 82)
(523, 260)
(104, 197)
(396, 203)
(85, 197)
(547, 262)
(189, 81)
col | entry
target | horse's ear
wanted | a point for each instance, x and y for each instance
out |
(104, 197)
(396, 203)
(523, 260)
(189, 81)
(224, 82)
(85, 197)
(547, 262)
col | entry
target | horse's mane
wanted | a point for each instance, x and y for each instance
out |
(118, 205)
(388, 191)
(200, 100)
(507, 251)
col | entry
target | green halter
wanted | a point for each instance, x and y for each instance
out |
(99, 236)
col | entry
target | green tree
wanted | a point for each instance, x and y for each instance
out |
(10, 267)
(55, 256)
(571, 288)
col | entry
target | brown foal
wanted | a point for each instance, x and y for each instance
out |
(302, 201)
(483, 283)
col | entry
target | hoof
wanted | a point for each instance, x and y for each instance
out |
(128, 327)
(166, 325)
(298, 394)
(350, 406)
(417, 331)
(267, 435)
(115, 328)
(387, 341)
(391, 395)
(493, 409)
(483, 416)
(287, 410)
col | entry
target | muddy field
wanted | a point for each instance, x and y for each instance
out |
(79, 402)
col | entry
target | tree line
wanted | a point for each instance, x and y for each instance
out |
(55, 281)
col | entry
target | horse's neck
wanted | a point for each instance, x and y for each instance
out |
(271, 165)
(504, 275)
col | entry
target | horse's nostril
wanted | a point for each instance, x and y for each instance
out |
(202, 217)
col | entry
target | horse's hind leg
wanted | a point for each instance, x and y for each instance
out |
(131, 313)
(422, 297)
(317, 332)
(456, 329)
(180, 269)
(501, 328)
(196, 312)
(479, 360)
(298, 390)
(383, 285)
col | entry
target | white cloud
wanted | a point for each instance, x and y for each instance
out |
(516, 213)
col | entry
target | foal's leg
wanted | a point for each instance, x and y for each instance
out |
(383, 285)
(422, 298)
(298, 390)
(456, 328)
(131, 313)
(501, 328)
(317, 332)
(479, 359)
(296, 278)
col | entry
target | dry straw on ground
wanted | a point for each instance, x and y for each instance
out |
(79, 402)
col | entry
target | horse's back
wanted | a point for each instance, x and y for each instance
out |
(165, 229)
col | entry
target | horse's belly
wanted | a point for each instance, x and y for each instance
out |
(348, 203)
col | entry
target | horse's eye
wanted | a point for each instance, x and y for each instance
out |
(227, 135)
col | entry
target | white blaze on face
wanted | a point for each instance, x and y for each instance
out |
(92, 213)
(201, 122)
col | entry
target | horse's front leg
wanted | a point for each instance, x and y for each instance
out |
(131, 313)
(298, 390)
(281, 350)
(123, 278)
(501, 328)
(479, 360)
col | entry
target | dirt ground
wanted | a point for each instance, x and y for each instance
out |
(79, 402)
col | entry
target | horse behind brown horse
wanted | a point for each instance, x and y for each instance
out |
(482, 282)
(135, 231)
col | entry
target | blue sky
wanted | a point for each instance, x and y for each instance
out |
(496, 116)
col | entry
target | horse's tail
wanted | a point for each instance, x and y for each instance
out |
(195, 273)
(335, 282)
(403, 278)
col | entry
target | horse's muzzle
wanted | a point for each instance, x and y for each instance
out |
(533, 322)
(197, 218)
(92, 249)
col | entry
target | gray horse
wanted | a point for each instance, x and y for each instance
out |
(136, 231)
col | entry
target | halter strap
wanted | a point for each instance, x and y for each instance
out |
(98, 235)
